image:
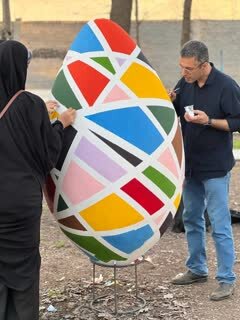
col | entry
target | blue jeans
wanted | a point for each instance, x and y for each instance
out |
(213, 195)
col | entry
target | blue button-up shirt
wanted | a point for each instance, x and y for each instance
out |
(208, 151)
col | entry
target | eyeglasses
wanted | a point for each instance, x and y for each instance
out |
(189, 69)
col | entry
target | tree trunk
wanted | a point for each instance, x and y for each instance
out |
(137, 22)
(6, 32)
(186, 22)
(121, 13)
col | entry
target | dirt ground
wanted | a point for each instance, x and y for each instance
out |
(66, 278)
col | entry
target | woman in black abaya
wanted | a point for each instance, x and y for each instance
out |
(29, 149)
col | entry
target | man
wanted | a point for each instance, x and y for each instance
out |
(207, 133)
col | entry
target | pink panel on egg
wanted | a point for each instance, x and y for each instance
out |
(160, 219)
(167, 160)
(78, 185)
(116, 94)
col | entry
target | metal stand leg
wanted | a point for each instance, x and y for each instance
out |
(115, 288)
(136, 281)
(115, 296)
(93, 280)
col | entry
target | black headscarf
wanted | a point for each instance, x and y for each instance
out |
(13, 69)
(27, 120)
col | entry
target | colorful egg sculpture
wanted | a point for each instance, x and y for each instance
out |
(118, 181)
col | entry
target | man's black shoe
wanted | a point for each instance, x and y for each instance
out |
(188, 277)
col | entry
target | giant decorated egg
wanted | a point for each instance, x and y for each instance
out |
(118, 182)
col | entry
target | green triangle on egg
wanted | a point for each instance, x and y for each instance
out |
(63, 93)
(164, 115)
(105, 62)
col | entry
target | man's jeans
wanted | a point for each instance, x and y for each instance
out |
(213, 195)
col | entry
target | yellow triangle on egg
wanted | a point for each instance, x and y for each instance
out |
(177, 201)
(144, 83)
(111, 213)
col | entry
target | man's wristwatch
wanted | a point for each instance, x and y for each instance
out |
(209, 122)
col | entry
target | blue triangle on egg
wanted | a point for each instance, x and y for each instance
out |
(132, 125)
(86, 41)
(130, 241)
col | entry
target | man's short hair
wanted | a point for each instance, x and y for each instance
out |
(197, 49)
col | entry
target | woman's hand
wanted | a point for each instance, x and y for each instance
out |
(67, 117)
(51, 106)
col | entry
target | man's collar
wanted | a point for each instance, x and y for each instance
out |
(210, 78)
(211, 75)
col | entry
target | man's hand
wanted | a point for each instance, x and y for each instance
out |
(172, 94)
(200, 117)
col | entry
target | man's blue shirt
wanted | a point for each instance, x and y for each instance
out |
(208, 151)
